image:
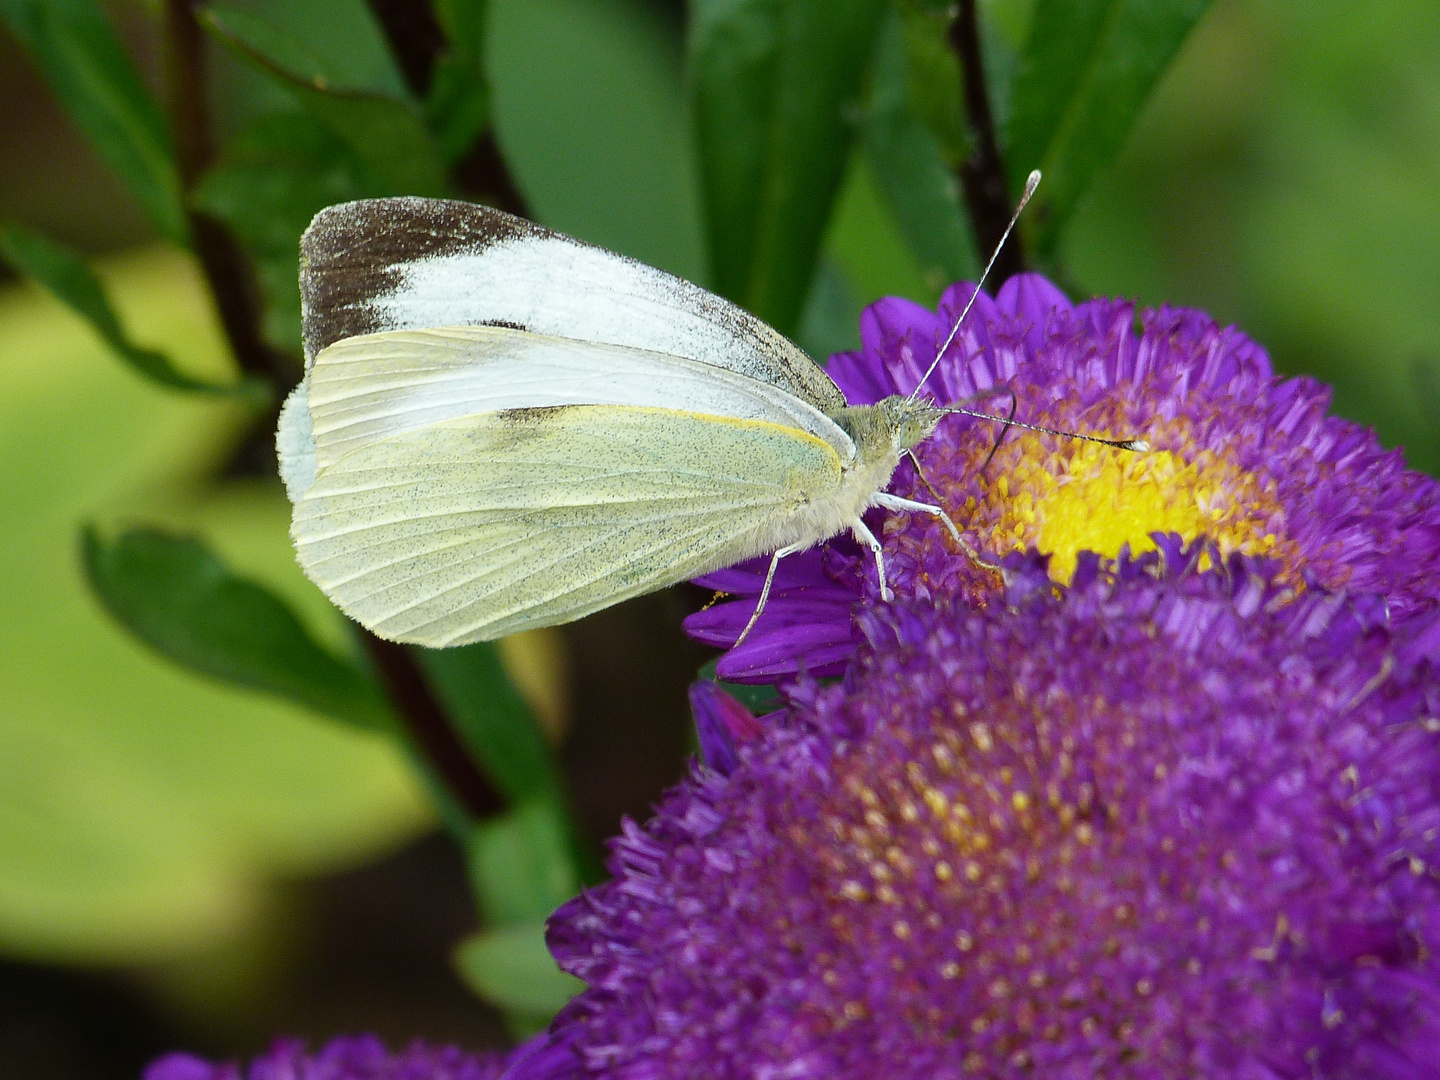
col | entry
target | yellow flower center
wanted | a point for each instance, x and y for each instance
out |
(1062, 497)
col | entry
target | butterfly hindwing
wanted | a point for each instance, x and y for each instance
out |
(474, 528)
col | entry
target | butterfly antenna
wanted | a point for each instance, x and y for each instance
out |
(1140, 446)
(1031, 183)
(1005, 426)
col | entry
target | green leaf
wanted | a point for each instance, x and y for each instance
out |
(457, 107)
(270, 182)
(64, 274)
(523, 864)
(1425, 378)
(830, 322)
(591, 115)
(386, 132)
(144, 809)
(492, 718)
(868, 246)
(95, 82)
(912, 169)
(512, 968)
(498, 727)
(464, 24)
(931, 77)
(520, 862)
(1085, 73)
(178, 598)
(933, 7)
(776, 84)
(758, 699)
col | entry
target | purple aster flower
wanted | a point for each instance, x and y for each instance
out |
(362, 1057)
(1240, 456)
(1152, 826)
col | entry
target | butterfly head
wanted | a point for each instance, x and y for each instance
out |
(910, 421)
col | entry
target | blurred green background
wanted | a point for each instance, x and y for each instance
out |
(185, 864)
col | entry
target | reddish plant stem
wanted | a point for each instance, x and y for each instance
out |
(429, 728)
(482, 172)
(231, 277)
(982, 174)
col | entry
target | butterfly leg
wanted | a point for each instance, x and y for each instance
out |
(765, 590)
(866, 537)
(909, 506)
(894, 502)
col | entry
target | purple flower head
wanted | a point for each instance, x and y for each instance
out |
(1155, 825)
(362, 1057)
(1242, 457)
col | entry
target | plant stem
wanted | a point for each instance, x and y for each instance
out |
(417, 41)
(231, 277)
(482, 172)
(232, 283)
(429, 728)
(982, 174)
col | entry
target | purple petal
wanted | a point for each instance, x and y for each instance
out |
(722, 624)
(1165, 822)
(543, 1058)
(180, 1066)
(820, 650)
(804, 568)
(1032, 297)
(722, 725)
(862, 381)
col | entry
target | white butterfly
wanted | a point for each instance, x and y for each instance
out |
(502, 428)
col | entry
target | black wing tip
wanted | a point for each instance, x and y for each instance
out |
(354, 252)
(397, 214)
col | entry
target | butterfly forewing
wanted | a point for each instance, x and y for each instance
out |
(408, 263)
(366, 388)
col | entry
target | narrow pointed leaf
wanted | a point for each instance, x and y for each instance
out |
(1085, 74)
(830, 322)
(387, 133)
(457, 107)
(521, 870)
(913, 169)
(97, 85)
(929, 75)
(492, 718)
(495, 723)
(776, 85)
(95, 82)
(520, 862)
(182, 601)
(511, 968)
(65, 275)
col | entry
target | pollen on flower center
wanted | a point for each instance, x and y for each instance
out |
(922, 854)
(1064, 497)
